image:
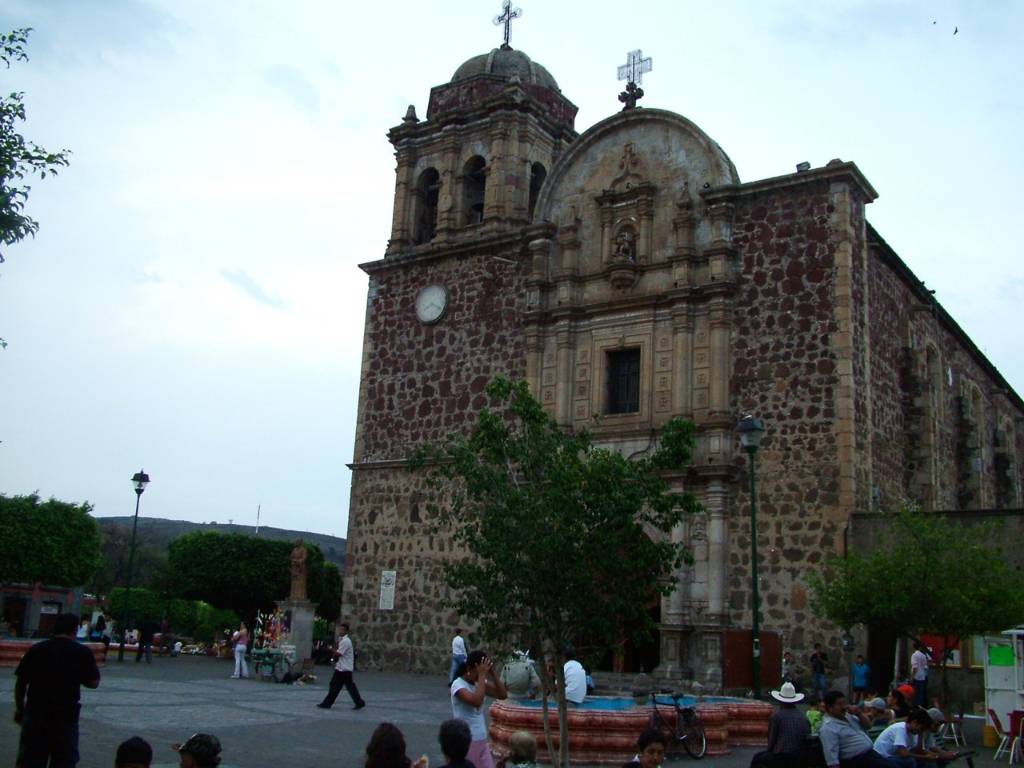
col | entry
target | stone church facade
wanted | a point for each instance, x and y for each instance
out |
(630, 276)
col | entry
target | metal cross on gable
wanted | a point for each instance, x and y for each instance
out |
(507, 14)
(633, 70)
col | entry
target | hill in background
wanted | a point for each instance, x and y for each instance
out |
(157, 532)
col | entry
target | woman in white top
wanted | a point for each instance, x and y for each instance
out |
(474, 680)
(241, 640)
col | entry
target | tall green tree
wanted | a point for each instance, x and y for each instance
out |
(243, 573)
(929, 575)
(564, 541)
(329, 605)
(188, 618)
(54, 542)
(19, 157)
(148, 565)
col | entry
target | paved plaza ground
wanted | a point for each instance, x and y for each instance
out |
(260, 724)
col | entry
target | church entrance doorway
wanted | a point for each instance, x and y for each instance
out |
(633, 657)
(739, 659)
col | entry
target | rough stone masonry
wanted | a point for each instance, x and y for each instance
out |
(773, 297)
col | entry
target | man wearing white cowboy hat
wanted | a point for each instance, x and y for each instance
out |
(786, 731)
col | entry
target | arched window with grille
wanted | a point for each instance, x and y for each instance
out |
(474, 185)
(537, 175)
(425, 217)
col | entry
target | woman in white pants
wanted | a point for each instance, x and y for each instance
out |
(241, 641)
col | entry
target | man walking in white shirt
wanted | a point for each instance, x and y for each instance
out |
(458, 654)
(343, 673)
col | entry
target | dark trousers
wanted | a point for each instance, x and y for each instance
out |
(47, 743)
(147, 649)
(769, 759)
(869, 759)
(920, 692)
(339, 680)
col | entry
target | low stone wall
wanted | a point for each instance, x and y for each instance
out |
(11, 651)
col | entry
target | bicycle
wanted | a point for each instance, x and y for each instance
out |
(688, 731)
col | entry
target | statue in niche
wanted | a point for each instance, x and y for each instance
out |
(625, 247)
(298, 562)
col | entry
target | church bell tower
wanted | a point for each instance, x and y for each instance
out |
(445, 314)
(475, 166)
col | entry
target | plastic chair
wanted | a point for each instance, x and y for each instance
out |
(1015, 744)
(953, 731)
(1004, 739)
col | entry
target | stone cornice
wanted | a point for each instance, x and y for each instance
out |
(687, 294)
(382, 464)
(836, 170)
(509, 98)
(421, 254)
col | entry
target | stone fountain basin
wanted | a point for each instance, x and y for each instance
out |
(604, 729)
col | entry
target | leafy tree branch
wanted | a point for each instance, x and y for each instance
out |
(565, 543)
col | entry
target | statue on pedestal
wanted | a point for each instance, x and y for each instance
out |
(298, 560)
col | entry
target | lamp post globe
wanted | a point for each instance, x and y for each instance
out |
(139, 482)
(750, 430)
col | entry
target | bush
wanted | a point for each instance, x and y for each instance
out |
(190, 618)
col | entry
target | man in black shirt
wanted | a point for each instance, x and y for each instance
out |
(147, 629)
(50, 673)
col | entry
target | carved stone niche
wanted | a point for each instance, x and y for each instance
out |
(627, 211)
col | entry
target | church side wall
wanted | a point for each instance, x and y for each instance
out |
(888, 337)
(422, 383)
(850, 212)
(785, 369)
(941, 421)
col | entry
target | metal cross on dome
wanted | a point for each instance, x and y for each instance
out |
(507, 14)
(633, 70)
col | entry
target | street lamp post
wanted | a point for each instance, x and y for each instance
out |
(750, 431)
(140, 480)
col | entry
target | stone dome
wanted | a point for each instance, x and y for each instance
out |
(506, 62)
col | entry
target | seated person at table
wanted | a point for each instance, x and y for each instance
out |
(928, 750)
(843, 742)
(815, 714)
(879, 713)
(787, 731)
(897, 740)
(898, 703)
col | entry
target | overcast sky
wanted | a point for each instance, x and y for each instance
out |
(192, 304)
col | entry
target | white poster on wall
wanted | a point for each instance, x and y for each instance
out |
(387, 590)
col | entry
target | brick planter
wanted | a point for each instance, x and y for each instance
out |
(11, 651)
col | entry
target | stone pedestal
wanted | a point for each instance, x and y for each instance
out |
(301, 632)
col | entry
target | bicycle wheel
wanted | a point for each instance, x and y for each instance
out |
(694, 741)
